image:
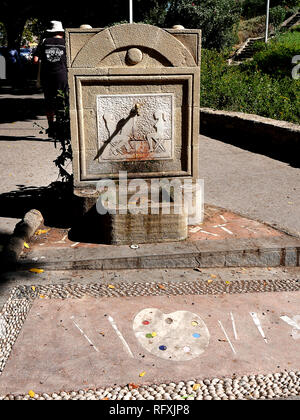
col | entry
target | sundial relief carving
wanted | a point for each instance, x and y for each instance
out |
(135, 127)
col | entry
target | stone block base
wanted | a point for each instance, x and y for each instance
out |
(129, 228)
(148, 228)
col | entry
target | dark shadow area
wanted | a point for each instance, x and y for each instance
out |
(92, 228)
(60, 209)
(274, 142)
(21, 109)
(55, 202)
(25, 138)
(4, 238)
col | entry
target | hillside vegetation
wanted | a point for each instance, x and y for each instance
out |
(263, 86)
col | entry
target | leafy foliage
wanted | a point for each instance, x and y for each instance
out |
(62, 136)
(277, 15)
(249, 88)
(275, 57)
(33, 30)
(252, 8)
(218, 19)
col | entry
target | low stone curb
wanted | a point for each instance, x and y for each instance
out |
(23, 232)
(263, 252)
(252, 131)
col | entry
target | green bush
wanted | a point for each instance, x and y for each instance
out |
(247, 89)
(218, 19)
(275, 57)
(277, 15)
(252, 8)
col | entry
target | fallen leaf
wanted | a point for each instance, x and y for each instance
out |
(227, 282)
(26, 245)
(161, 287)
(36, 270)
(142, 374)
(42, 296)
(209, 281)
(133, 386)
(213, 276)
(196, 386)
(105, 398)
(111, 286)
(33, 288)
(31, 393)
(42, 231)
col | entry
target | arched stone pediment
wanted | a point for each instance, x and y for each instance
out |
(109, 46)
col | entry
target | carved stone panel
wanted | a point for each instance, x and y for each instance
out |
(135, 127)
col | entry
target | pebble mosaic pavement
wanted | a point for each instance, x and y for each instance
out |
(259, 386)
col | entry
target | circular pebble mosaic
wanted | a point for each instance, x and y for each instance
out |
(178, 336)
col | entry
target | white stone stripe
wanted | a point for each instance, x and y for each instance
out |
(119, 334)
(85, 336)
(258, 324)
(233, 326)
(226, 230)
(227, 338)
(290, 321)
(63, 240)
(209, 233)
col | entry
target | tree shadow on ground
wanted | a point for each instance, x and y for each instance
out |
(4, 238)
(26, 138)
(21, 109)
(60, 208)
(55, 202)
(286, 151)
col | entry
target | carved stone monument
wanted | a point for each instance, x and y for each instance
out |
(134, 109)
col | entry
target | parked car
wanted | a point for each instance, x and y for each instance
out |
(26, 54)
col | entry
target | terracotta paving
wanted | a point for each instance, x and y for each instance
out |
(220, 225)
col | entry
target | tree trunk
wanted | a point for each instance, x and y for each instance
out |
(14, 31)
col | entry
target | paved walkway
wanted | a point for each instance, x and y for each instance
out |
(63, 331)
(26, 154)
(235, 179)
(254, 185)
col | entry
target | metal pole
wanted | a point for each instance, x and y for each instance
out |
(130, 12)
(267, 21)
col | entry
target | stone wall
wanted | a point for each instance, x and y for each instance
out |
(277, 139)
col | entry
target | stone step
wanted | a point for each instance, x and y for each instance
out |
(260, 252)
